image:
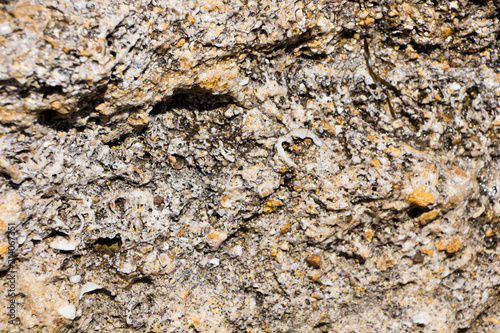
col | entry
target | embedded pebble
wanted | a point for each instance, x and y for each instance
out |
(68, 312)
(422, 318)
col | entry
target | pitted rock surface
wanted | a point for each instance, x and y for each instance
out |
(231, 166)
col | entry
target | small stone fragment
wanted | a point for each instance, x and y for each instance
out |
(427, 217)
(61, 243)
(454, 245)
(386, 261)
(314, 276)
(421, 198)
(139, 119)
(369, 235)
(237, 250)
(214, 262)
(428, 252)
(88, 287)
(285, 246)
(272, 204)
(4, 248)
(10, 170)
(451, 247)
(490, 233)
(158, 200)
(75, 278)
(314, 261)
(68, 312)
(440, 246)
(285, 228)
(176, 161)
(422, 318)
(217, 238)
(126, 267)
(418, 258)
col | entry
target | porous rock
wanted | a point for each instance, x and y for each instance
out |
(184, 158)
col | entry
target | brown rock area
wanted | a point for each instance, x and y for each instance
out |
(249, 166)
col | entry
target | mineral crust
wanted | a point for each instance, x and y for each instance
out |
(249, 166)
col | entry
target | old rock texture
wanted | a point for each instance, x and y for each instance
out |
(250, 166)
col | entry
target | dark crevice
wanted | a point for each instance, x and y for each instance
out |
(5, 174)
(56, 233)
(64, 122)
(24, 91)
(100, 291)
(425, 49)
(51, 90)
(95, 98)
(193, 98)
(324, 326)
(142, 279)
(118, 142)
(297, 41)
(364, 199)
(10, 82)
(314, 56)
(108, 245)
(417, 211)
(347, 33)
(356, 257)
(55, 120)
(287, 45)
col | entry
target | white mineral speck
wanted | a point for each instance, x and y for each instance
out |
(61, 243)
(214, 262)
(237, 250)
(68, 312)
(127, 268)
(423, 318)
(75, 278)
(5, 29)
(88, 287)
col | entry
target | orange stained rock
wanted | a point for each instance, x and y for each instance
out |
(3, 249)
(376, 163)
(369, 235)
(454, 245)
(314, 261)
(272, 204)
(427, 252)
(427, 217)
(490, 233)
(421, 197)
(451, 247)
(440, 245)
(393, 150)
(285, 228)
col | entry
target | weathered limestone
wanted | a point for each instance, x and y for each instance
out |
(230, 166)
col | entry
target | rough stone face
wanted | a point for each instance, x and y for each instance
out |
(230, 166)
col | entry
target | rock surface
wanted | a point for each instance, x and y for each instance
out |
(230, 166)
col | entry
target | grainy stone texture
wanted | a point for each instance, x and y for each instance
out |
(231, 166)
